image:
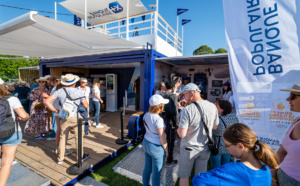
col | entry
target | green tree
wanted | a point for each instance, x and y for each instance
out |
(203, 49)
(9, 67)
(220, 50)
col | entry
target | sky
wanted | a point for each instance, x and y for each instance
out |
(206, 28)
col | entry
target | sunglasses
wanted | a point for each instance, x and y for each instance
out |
(293, 96)
(42, 82)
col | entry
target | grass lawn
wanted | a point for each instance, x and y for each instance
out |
(106, 175)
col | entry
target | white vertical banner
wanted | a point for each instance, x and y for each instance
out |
(263, 51)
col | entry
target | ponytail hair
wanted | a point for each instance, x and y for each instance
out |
(241, 133)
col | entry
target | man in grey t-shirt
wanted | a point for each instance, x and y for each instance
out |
(194, 142)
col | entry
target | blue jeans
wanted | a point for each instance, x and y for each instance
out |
(91, 105)
(219, 159)
(54, 127)
(97, 111)
(154, 160)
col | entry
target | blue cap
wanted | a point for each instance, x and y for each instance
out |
(227, 84)
(185, 78)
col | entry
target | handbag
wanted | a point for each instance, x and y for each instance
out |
(213, 147)
(39, 106)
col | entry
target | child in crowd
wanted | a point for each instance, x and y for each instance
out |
(256, 160)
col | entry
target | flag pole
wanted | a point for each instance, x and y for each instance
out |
(55, 11)
(182, 37)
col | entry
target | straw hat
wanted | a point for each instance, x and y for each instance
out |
(22, 83)
(295, 88)
(101, 82)
(41, 79)
(47, 76)
(69, 79)
(83, 80)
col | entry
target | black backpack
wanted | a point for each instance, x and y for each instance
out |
(7, 124)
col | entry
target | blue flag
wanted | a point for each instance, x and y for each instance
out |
(77, 20)
(185, 21)
(180, 11)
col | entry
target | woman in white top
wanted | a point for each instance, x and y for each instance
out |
(227, 91)
(154, 143)
(97, 99)
(9, 144)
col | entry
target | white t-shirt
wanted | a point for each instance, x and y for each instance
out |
(86, 92)
(227, 95)
(103, 90)
(154, 122)
(97, 91)
(14, 103)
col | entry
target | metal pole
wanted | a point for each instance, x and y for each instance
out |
(55, 11)
(85, 13)
(118, 28)
(79, 124)
(127, 21)
(122, 131)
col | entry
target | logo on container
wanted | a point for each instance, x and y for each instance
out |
(115, 7)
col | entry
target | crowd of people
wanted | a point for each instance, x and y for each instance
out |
(178, 112)
(44, 104)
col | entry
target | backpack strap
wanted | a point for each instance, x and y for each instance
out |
(205, 127)
(223, 122)
(68, 96)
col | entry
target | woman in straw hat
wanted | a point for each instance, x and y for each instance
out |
(38, 122)
(288, 153)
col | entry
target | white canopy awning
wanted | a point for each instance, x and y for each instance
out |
(101, 11)
(35, 35)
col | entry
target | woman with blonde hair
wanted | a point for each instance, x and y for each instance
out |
(154, 143)
(256, 160)
(9, 143)
(97, 99)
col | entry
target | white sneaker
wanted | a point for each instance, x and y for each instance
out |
(60, 162)
(99, 126)
(50, 139)
(68, 152)
(94, 124)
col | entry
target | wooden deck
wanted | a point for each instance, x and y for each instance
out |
(40, 155)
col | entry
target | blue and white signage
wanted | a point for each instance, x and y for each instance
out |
(100, 11)
(263, 47)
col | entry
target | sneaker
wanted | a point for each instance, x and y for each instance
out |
(60, 162)
(99, 126)
(51, 139)
(173, 163)
(68, 152)
(85, 157)
(94, 124)
(40, 137)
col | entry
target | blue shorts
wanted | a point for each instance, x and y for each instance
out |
(12, 140)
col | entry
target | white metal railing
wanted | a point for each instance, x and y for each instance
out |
(153, 23)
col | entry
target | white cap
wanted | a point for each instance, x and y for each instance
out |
(157, 99)
(1, 81)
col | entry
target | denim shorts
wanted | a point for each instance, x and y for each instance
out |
(12, 140)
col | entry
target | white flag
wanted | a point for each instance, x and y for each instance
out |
(263, 46)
